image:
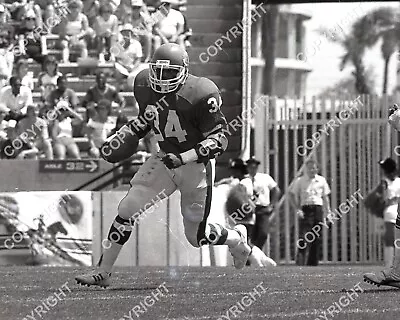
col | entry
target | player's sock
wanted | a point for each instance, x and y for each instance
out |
(118, 235)
(216, 234)
(388, 255)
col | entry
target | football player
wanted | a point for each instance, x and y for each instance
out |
(184, 111)
(390, 276)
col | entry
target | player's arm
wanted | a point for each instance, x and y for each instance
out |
(394, 117)
(123, 144)
(212, 123)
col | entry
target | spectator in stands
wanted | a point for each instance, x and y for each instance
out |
(63, 141)
(114, 3)
(15, 148)
(62, 93)
(7, 37)
(140, 21)
(170, 28)
(47, 79)
(101, 91)
(16, 98)
(3, 124)
(35, 132)
(128, 61)
(31, 38)
(16, 9)
(74, 31)
(99, 127)
(22, 72)
(51, 20)
(32, 6)
(91, 10)
(106, 29)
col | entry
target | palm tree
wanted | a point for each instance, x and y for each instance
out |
(379, 24)
(354, 52)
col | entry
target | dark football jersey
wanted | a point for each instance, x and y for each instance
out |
(182, 119)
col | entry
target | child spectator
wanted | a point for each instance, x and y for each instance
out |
(47, 79)
(21, 70)
(106, 29)
(99, 127)
(31, 39)
(128, 61)
(61, 132)
(74, 29)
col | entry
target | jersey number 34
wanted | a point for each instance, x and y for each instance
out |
(172, 128)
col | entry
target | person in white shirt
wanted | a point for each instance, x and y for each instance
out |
(392, 196)
(16, 98)
(266, 196)
(128, 56)
(240, 207)
(171, 27)
(106, 29)
(309, 195)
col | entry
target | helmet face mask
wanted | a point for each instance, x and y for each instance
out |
(168, 68)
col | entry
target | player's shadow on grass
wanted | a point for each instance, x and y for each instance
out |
(119, 289)
(380, 290)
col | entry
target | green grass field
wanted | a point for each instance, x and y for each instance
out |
(198, 293)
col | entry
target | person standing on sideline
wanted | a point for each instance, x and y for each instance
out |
(391, 196)
(309, 195)
(266, 196)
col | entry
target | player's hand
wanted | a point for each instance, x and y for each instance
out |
(394, 119)
(300, 214)
(393, 109)
(172, 160)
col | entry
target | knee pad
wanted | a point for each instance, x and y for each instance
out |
(120, 230)
(211, 233)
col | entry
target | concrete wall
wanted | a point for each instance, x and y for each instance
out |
(24, 175)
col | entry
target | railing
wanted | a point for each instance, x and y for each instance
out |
(347, 147)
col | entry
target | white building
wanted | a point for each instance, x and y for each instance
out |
(291, 72)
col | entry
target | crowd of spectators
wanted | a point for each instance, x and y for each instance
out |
(121, 32)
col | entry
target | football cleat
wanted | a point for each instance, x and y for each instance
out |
(383, 278)
(101, 279)
(258, 258)
(241, 251)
